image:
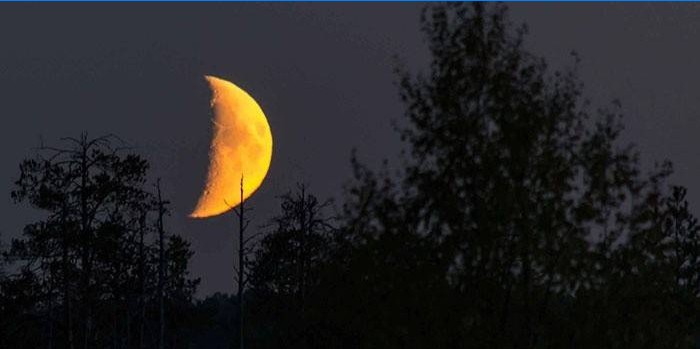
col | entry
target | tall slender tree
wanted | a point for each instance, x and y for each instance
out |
(79, 185)
(240, 264)
(161, 268)
(285, 273)
(95, 257)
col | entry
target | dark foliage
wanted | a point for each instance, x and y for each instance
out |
(89, 269)
(518, 219)
(285, 274)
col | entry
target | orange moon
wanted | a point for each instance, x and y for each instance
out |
(241, 146)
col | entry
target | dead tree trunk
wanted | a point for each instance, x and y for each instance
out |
(86, 237)
(66, 285)
(240, 274)
(241, 266)
(142, 280)
(302, 253)
(161, 271)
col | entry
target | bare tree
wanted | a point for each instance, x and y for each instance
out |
(161, 269)
(244, 249)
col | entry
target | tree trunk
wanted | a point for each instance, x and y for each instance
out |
(86, 241)
(142, 281)
(161, 271)
(302, 254)
(50, 316)
(66, 289)
(241, 266)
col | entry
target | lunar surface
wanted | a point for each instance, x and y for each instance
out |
(241, 147)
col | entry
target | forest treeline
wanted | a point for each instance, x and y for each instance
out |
(517, 218)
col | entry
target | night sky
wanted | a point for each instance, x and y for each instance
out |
(323, 74)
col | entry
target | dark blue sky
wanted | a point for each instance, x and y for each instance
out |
(323, 75)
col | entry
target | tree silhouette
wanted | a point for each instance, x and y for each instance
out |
(241, 265)
(516, 204)
(161, 268)
(516, 219)
(285, 271)
(92, 257)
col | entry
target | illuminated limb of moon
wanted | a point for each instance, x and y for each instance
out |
(241, 146)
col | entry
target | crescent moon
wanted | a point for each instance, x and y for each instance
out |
(241, 149)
